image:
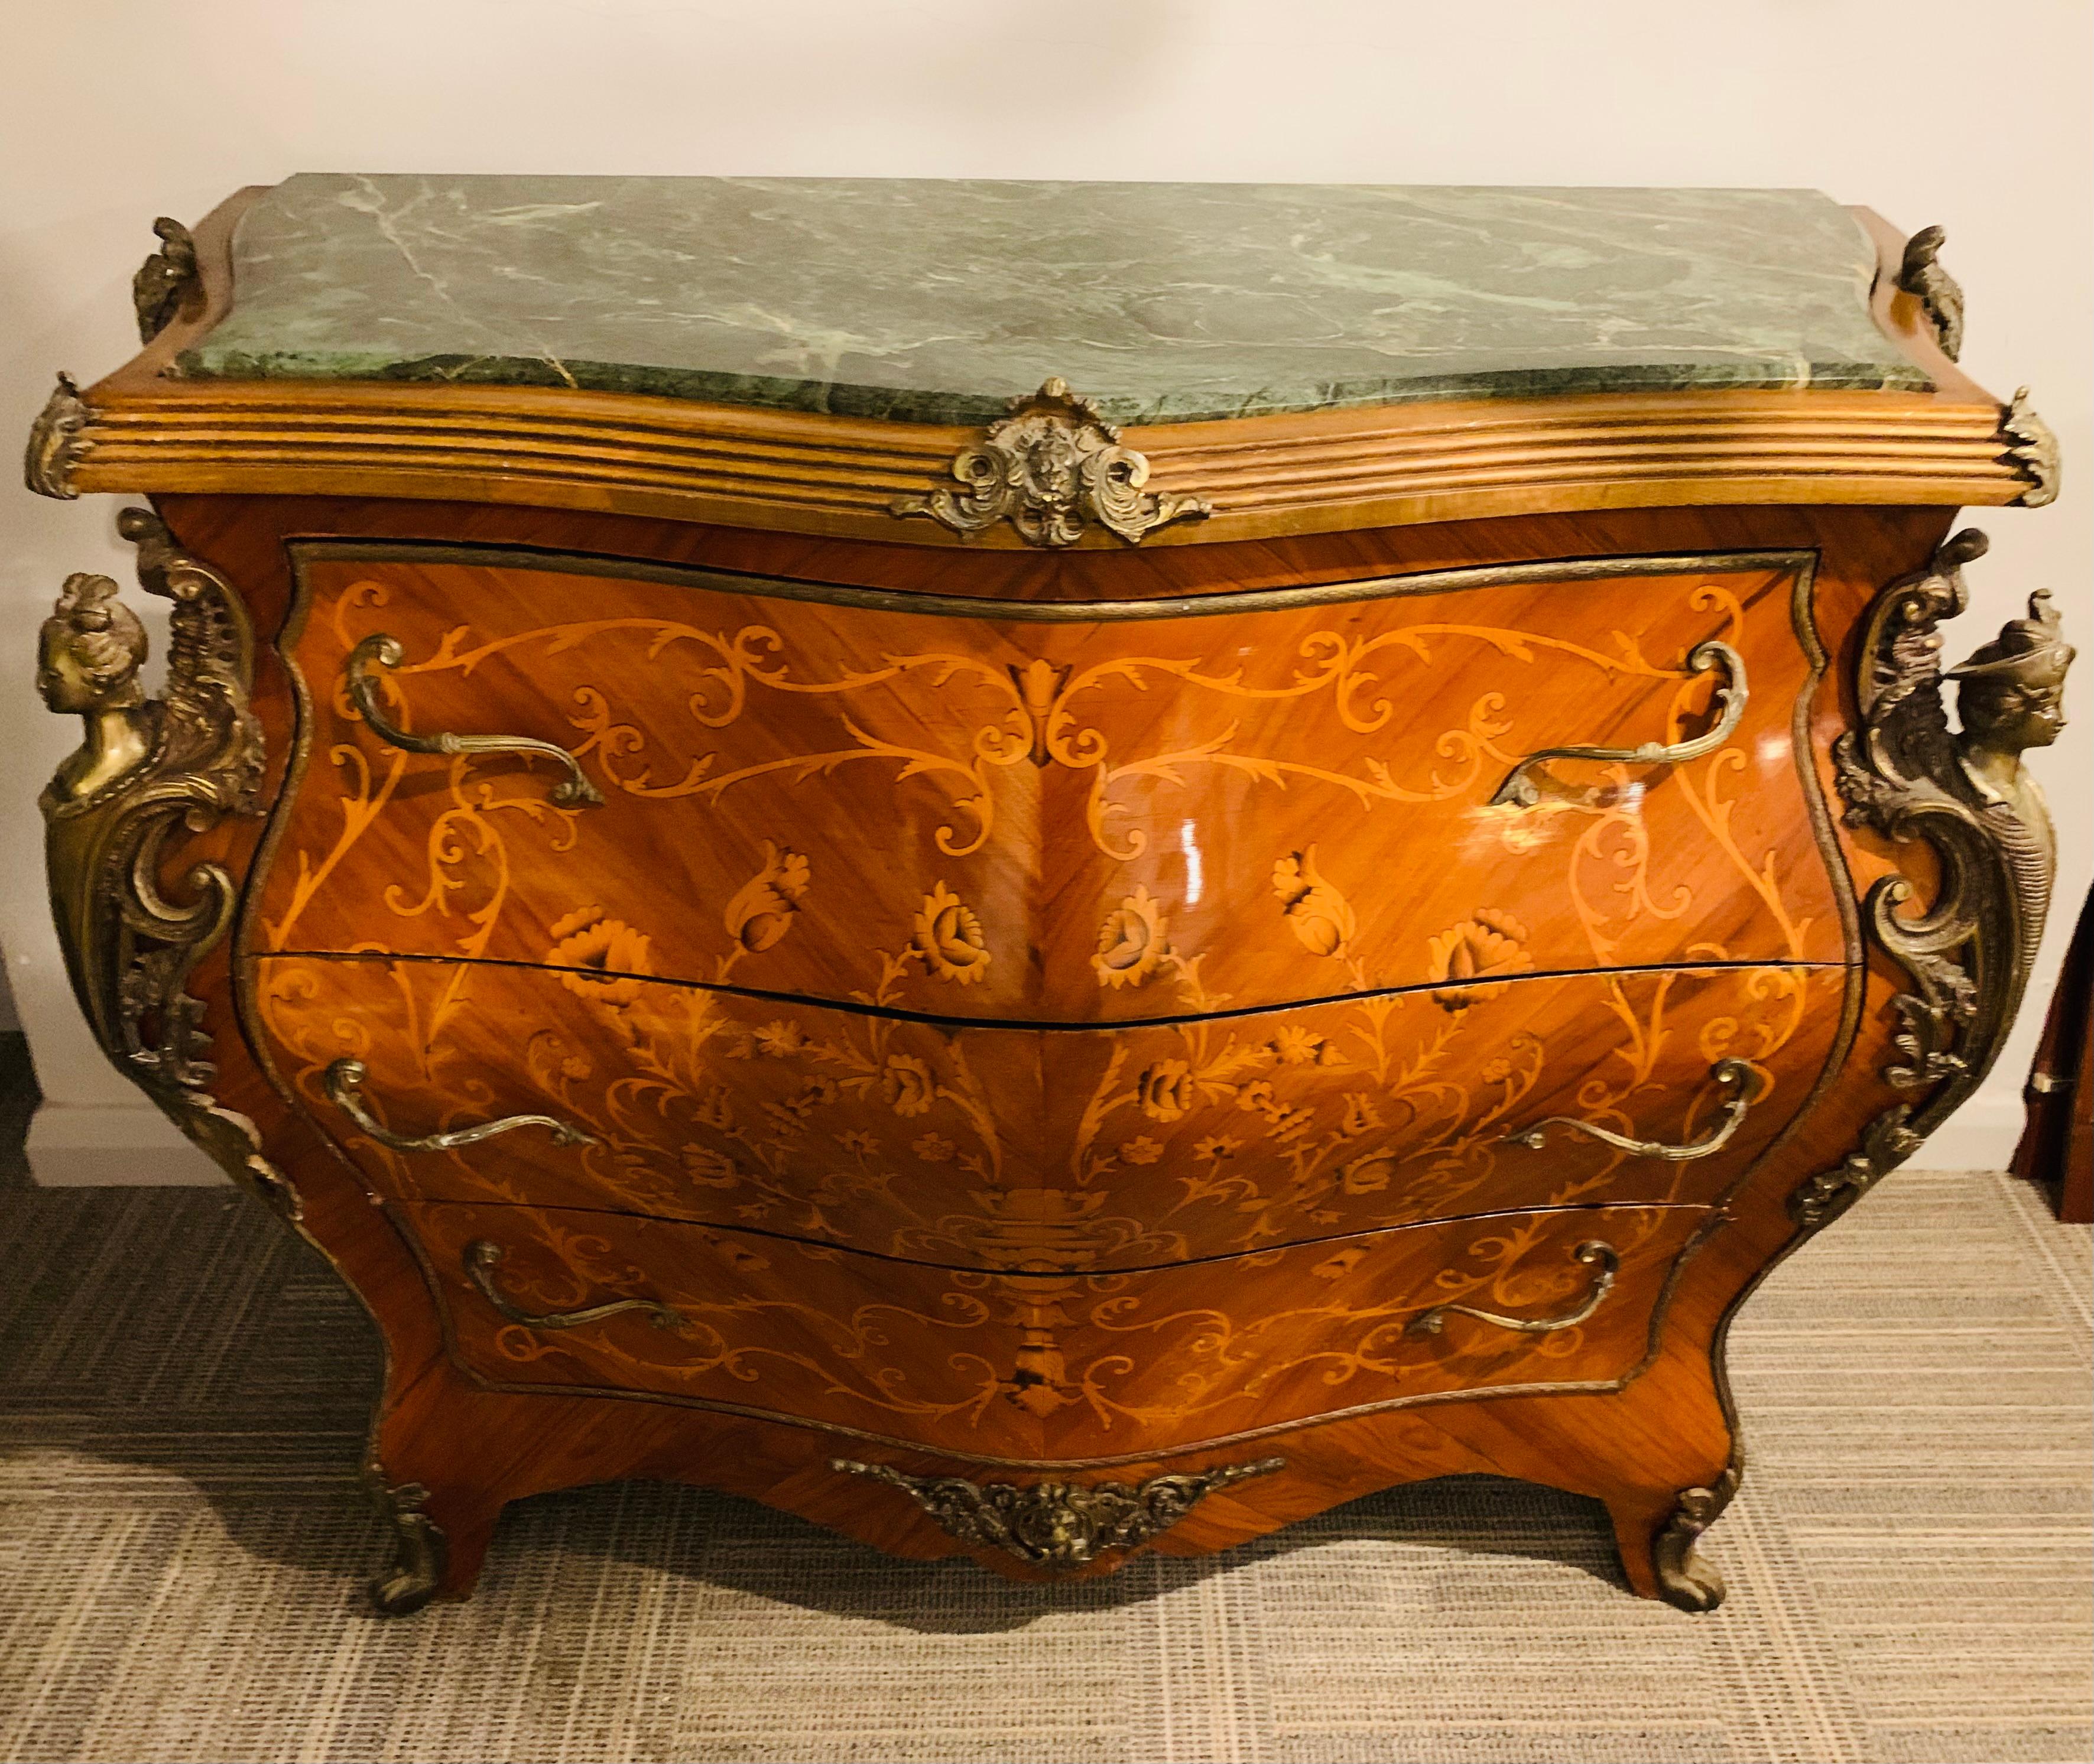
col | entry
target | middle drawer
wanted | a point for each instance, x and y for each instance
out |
(1089, 1149)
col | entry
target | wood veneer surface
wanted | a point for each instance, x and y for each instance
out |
(472, 1447)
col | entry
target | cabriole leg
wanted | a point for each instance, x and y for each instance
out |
(1658, 1547)
(438, 1546)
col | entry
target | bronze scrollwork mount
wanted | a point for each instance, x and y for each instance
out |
(1059, 1525)
(1904, 775)
(1052, 468)
(150, 774)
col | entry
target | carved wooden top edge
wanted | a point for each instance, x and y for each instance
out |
(1328, 471)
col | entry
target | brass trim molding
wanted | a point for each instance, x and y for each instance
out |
(150, 774)
(58, 442)
(1059, 1525)
(167, 282)
(1051, 468)
(1886, 1143)
(1939, 294)
(1111, 1461)
(1735, 1076)
(1906, 776)
(1077, 612)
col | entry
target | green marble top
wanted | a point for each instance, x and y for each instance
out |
(936, 302)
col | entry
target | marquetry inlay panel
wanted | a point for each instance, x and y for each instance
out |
(1100, 1149)
(1091, 818)
(1026, 1367)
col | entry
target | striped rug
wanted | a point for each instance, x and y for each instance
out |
(183, 1545)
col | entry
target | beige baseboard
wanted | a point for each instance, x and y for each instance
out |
(109, 1147)
(1979, 1136)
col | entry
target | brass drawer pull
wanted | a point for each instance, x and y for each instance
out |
(1592, 1252)
(1733, 1075)
(574, 792)
(1059, 1524)
(1519, 789)
(343, 1083)
(480, 1259)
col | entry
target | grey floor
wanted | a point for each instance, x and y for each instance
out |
(183, 1543)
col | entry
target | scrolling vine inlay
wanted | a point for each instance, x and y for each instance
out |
(735, 725)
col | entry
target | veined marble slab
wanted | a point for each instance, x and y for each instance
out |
(938, 301)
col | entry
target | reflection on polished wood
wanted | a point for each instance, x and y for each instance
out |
(1118, 819)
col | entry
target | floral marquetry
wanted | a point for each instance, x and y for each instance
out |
(948, 938)
(1133, 942)
(1321, 917)
(1112, 1147)
(761, 912)
(1045, 846)
(1024, 1364)
(1493, 945)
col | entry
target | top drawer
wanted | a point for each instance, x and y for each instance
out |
(1241, 800)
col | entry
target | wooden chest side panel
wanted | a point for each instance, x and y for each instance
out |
(1034, 1366)
(1099, 821)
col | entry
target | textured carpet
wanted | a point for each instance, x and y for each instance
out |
(183, 1545)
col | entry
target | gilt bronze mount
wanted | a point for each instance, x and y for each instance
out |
(151, 774)
(1052, 468)
(1903, 775)
(1060, 1525)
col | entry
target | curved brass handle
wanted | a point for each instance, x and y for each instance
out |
(480, 1259)
(1594, 1253)
(1519, 789)
(574, 792)
(343, 1082)
(1733, 1075)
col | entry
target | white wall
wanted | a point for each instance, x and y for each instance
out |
(1976, 116)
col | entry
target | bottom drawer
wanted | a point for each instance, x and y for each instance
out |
(1045, 1366)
